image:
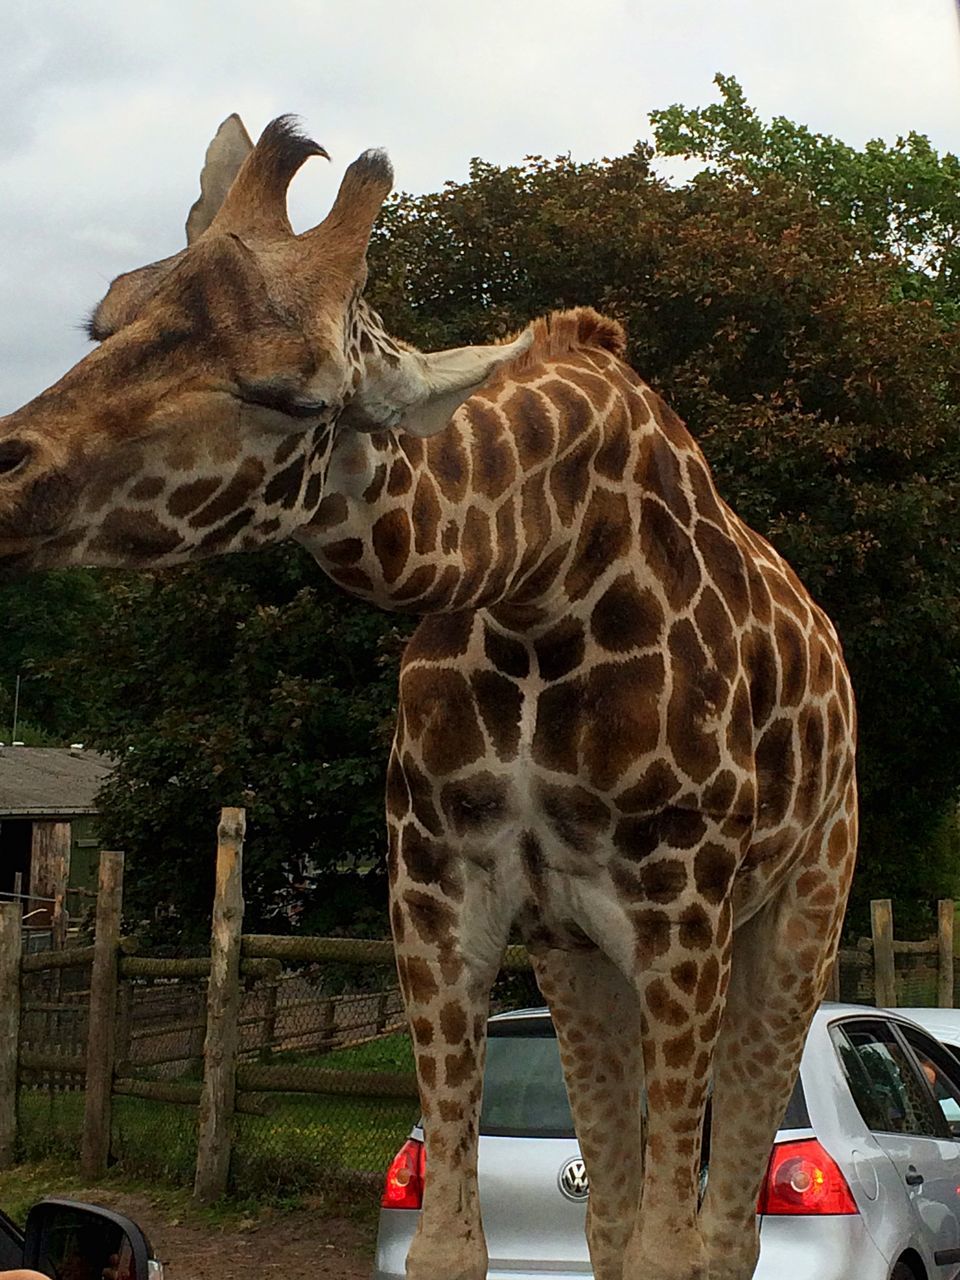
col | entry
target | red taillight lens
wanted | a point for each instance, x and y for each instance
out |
(403, 1188)
(803, 1179)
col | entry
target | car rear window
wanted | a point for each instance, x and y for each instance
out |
(523, 1090)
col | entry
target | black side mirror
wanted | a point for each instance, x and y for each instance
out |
(67, 1240)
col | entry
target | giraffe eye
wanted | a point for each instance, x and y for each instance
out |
(13, 454)
(282, 400)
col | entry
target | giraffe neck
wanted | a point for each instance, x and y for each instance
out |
(525, 502)
(398, 526)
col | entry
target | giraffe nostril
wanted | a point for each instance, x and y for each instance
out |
(13, 454)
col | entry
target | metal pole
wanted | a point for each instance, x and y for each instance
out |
(16, 709)
(10, 944)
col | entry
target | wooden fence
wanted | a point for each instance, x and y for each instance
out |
(875, 959)
(230, 1084)
(236, 1078)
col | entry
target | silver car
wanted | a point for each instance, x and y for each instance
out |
(863, 1181)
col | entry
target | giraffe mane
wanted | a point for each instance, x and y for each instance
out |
(561, 332)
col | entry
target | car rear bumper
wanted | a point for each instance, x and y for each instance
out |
(397, 1227)
(828, 1247)
(495, 1274)
(816, 1248)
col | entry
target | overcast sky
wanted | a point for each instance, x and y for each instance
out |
(106, 108)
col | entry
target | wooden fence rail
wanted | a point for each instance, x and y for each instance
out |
(885, 948)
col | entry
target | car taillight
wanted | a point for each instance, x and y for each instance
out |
(403, 1188)
(803, 1179)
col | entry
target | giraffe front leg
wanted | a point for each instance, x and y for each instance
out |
(597, 1019)
(447, 1016)
(782, 958)
(681, 1005)
(446, 978)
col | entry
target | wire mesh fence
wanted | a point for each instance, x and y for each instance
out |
(916, 976)
(54, 1005)
(334, 1027)
(298, 1022)
(53, 1014)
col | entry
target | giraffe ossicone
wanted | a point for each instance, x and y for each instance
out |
(624, 727)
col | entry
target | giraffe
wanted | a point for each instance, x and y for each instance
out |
(625, 730)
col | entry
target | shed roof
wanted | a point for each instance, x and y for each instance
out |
(50, 781)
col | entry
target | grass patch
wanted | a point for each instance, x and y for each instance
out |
(305, 1143)
(390, 1053)
(310, 1140)
(27, 1183)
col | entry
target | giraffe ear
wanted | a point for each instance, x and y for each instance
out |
(226, 153)
(422, 391)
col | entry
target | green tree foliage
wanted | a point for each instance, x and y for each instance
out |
(44, 619)
(905, 198)
(808, 344)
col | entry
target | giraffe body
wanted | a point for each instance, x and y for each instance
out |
(625, 730)
(622, 732)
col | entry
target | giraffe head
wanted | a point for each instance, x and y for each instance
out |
(204, 420)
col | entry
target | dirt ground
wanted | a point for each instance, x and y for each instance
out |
(298, 1244)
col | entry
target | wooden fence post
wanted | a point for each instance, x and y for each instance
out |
(945, 918)
(10, 913)
(49, 865)
(884, 973)
(95, 1147)
(218, 1095)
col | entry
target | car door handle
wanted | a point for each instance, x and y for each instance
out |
(913, 1177)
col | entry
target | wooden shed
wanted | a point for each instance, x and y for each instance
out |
(48, 813)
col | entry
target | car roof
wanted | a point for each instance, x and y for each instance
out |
(510, 1014)
(828, 1012)
(943, 1023)
(923, 1018)
(833, 1009)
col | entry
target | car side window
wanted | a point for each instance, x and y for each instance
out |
(885, 1083)
(942, 1073)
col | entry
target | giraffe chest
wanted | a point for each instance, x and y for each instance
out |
(489, 756)
(567, 783)
(561, 704)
